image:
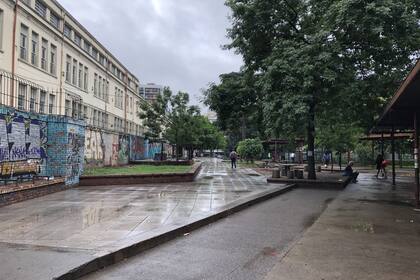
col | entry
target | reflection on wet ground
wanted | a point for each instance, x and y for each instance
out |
(89, 217)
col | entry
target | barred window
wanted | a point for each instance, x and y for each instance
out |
(40, 8)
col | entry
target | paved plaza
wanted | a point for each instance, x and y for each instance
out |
(69, 227)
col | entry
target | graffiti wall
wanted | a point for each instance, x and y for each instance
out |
(94, 148)
(137, 148)
(23, 140)
(151, 148)
(66, 147)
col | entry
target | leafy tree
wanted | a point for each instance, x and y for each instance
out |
(321, 56)
(238, 104)
(250, 149)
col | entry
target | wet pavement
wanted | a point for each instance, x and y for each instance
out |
(368, 232)
(244, 246)
(72, 226)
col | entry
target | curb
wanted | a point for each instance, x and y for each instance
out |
(111, 258)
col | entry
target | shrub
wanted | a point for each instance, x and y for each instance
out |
(250, 149)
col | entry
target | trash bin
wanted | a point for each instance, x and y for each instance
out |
(276, 173)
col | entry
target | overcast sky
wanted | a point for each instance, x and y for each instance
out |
(169, 42)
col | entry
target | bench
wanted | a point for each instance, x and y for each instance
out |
(19, 171)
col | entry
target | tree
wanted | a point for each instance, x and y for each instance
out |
(250, 149)
(237, 103)
(320, 56)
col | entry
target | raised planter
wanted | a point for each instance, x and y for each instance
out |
(22, 192)
(319, 183)
(108, 180)
(163, 162)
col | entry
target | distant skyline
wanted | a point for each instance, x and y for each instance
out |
(175, 43)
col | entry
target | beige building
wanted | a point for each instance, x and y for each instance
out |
(151, 91)
(49, 63)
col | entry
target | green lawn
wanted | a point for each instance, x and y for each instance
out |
(136, 169)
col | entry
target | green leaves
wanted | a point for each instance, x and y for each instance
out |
(250, 149)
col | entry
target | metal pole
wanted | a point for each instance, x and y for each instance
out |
(393, 155)
(382, 145)
(416, 160)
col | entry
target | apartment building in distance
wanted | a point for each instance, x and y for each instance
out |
(49, 63)
(151, 91)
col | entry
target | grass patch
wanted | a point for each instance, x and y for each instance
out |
(136, 169)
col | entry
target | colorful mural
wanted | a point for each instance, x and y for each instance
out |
(23, 143)
(137, 148)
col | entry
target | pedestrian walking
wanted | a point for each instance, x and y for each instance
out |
(378, 162)
(326, 159)
(233, 157)
(383, 166)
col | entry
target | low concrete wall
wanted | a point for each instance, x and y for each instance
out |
(109, 180)
(305, 183)
(164, 162)
(13, 194)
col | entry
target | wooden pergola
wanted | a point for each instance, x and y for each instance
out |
(402, 115)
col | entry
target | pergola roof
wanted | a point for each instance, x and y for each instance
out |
(387, 136)
(405, 102)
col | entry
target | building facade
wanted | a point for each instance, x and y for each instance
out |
(50, 64)
(68, 71)
(151, 91)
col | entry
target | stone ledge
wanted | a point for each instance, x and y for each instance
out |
(306, 183)
(108, 180)
(164, 162)
(14, 194)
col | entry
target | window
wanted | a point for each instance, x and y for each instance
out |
(34, 49)
(44, 55)
(107, 92)
(100, 87)
(102, 60)
(74, 72)
(78, 39)
(67, 108)
(95, 85)
(85, 112)
(40, 8)
(53, 60)
(80, 76)
(87, 47)
(67, 31)
(68, 69)
(23, 42)
(22, 97)
(85, 79)
(42, 99)
(1, 29)
(54, 20)
(95, 53)
(51, 104)
(33, 99)
(95, 117)
(27, 2)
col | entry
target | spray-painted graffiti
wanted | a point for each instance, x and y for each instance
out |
(76, 144)
(151, 149)
(123, 146)
(21, 139)
(137, 148)
(95, 147)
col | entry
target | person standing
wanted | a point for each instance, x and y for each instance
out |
(379, 160)
(233, 157)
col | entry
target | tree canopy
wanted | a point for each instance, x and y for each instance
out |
(324, 61)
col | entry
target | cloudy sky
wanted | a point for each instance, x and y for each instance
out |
(169, 42)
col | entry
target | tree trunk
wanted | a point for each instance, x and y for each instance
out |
(311, 140)
(243, 128)
(339, 160)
